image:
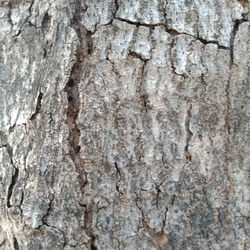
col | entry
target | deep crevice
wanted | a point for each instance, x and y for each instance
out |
(14, 179)
(83, 50)
(16, 245)
(118, 177)
(48, 211)
(30, 14)
(173, 198)
(46, 20)
(38, 106)
(9, 13)
(3, 243)
(232, 38)
(92, 243)
(165, 219)
(116, 9)
(189, 133)
(88, 219)
(143, 95)
(140, 208)
(158, 191)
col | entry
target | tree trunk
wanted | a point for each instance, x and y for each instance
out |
(124, 124)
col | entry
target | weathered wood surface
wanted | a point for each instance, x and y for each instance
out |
(124, 124)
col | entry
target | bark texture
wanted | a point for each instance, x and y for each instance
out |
(124, 124)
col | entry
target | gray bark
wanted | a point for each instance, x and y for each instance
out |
(124, 124)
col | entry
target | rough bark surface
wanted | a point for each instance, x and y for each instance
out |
(124, 124)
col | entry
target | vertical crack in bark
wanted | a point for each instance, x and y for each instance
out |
(14, 177)
(9, 13)
(16, 245)
(30, 13)
(118, 177)
(11, 186)
(143, 95)
(116, 9)
(188, 133)
(165, 219)
(88, 219)
(3, 243)
(84, 48)
(232, 38)
(158, 191)
(157, 196)
(38, 106)
(171, 59)
(140, 208)
(48, 211)
(83, 51)
(228, 114)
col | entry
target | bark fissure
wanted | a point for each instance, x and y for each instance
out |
(174, 32)
(158, 191)
(9, 13)
(84, 49)
(118, 178)
(137, 24)
(172, 60)
(49, 209)
(30, 14)
(38, 106)
(16, 245)
(233, 35)
(140, 208)
(14, 179)
(165, 219)
(116, 10)
(228, 115)
(3, 242)
(145, 85)
(88, 227)
(189, 133)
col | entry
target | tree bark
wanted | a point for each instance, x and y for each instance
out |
(124, 124)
